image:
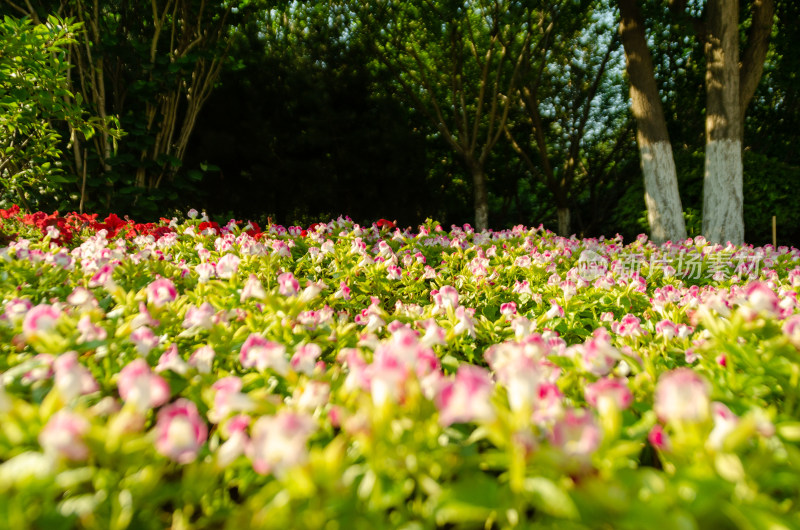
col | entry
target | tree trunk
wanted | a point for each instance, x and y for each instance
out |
(723, 217)
(563, 221)
(664, 209)
(481, 197)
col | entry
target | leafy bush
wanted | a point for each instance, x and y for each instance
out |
(35, 106)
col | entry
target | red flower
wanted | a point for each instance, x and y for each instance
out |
(385, 223)
(13, 211)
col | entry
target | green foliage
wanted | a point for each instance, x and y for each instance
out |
(35, 107)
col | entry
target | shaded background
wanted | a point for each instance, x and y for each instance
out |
(304, 122)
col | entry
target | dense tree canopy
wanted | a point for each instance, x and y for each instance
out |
(493, 112)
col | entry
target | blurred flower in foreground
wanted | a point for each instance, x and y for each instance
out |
(682, 395)
(467, 397)
(71, 378)
(139, 386)
(180, 431)
(279, 442)
(63, 435)
(576, 434)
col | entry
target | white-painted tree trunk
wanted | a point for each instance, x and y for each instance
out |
(723, 217)
(661, 195)
(563, 222)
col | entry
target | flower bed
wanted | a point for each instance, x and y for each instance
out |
(194, 375)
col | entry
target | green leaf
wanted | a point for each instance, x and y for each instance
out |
(548, 497)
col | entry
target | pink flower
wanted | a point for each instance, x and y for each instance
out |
(467, 398)
(16, 309)
(228, 265)
(205, 271)
(446, 297)
(228, 398)
(199, 317)
(659, 439)
(262, 354)
(508, 309)
(202, 359)
(343, 292)
(71, 378)
(141, 387)
(607, 392)
(548, 404)
(725, 422)
(682, 395)
(89, 331)
(465, 323)
(144, 340)
(762, 299)
(555, 310)
(305, 358)
(180, 431)
(103, 277)
(394, 273)
(172, 360)
(577, 434)
(312, 396)
(288, 284)
(161, 291)
(236, 431)
(667, 329)
(279, 442)
(387, 376)
(82, 298)
(597, 354)
(253, 289)
(40, 320)
(629, 326)
(434, 333)
(63, 435)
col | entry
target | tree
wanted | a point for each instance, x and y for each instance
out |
(664, 210)
(34, 102)
(564, 73)
(153, 64)
(729, 89)
(456, 63)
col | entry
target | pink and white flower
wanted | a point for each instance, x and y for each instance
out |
(305, 358)
(607, 393)
(682, 396)
(139, 386)
(62, 436)
(72, 379)
(144, 339)
(577, 434)
(253, 289)
(227, 266)
(161, 292)
(597, 355)
(264, 354)
(278, 443)
(172, 360)
(202, 359)
(236, 444)
(288, 284)
(467, 397)
(228, 399)
(90, 332)
(180, 431)
(40, 320)
(199, 317)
